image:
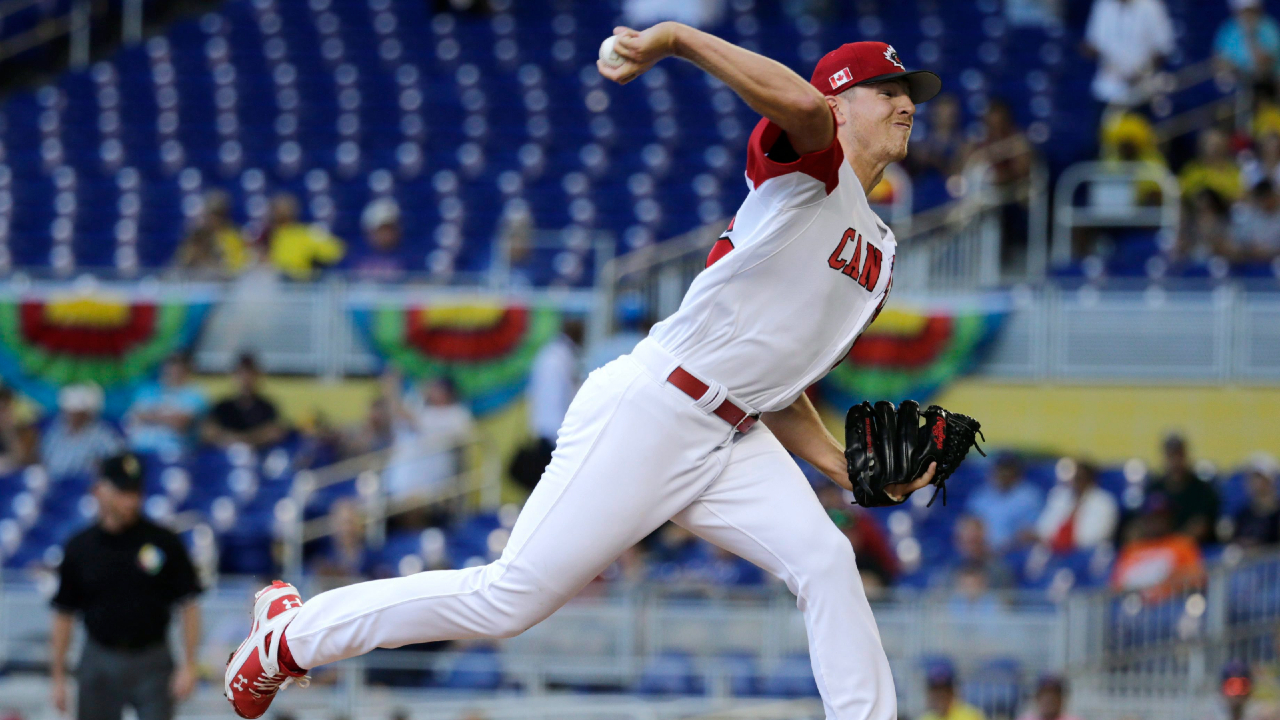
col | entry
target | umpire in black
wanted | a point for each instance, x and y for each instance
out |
(125, 575)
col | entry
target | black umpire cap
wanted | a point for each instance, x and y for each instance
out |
(124, 471)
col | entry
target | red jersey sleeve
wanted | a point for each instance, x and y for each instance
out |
(821, 166)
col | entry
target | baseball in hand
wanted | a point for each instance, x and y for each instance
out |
(607, 54)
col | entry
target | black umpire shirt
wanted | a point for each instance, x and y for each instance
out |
(125, 583)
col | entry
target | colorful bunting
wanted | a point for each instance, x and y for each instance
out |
(485, 349)
(909, 354)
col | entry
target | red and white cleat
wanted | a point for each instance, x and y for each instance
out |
(255, 671)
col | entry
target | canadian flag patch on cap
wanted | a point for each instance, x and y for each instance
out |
(841, 78)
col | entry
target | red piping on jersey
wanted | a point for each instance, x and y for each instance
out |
(821, 165)
(719, 250)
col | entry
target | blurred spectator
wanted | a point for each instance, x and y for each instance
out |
(633, 326)
(385, 259)
(214, 246)
(1157, 561)
(871, 548)
(1129, 137)
(247, 416)
(1255, 225)
(1248, 43)
(971, 593)
(1007, 505)
(1236, 699)
(1204, 231)
(18, 439)
(346, 555)
(1258, 523)
(942, 145)
(297, 250)
(163, 414)
(941, 699)
(971, 549)
(1193, 502)
(553, 380)
(374, 433)
(1213, 168)
(1264, 162)
(1003, 147)
(1130, 39)
(78, 439)
(1078, 515)
(1050, 700)
(428, 424)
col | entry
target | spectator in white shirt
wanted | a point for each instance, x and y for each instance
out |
(553, 380)
(1130, 39)
(1078, 515)
(1255, 225)
(428, 427)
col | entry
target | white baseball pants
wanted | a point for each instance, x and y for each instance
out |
(633, 453)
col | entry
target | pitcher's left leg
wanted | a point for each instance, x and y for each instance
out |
(762, 509)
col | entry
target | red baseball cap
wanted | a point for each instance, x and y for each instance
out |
(865, 62)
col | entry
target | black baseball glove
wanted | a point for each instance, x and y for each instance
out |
(885, 446)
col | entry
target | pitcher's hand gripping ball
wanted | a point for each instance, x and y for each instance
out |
(886, 446)
(608, 54)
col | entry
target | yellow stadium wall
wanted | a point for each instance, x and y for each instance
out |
(1108, 423)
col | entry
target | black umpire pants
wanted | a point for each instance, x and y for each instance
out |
(110, 679)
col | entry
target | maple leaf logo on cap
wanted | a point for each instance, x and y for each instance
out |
(840, 78)
(892, 56)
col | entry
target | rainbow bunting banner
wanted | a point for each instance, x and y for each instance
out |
(911, 354)
(105, 339)
(485, 349)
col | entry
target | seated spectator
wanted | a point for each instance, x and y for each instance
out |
(1193, 502)
(373, 434)
(1205, 229)
(18, 437)
(346, 555)
(971, 548)
(871, 548)
(1078, 515)
(1264, 162)
(1050, 700)
(385, 259)
(1003, 147)
(942, 144)
(163, 414)
(429, 424)
(1213, 168)
(1157, 560)
(1130, 40)
(941, 698)
(78, 438)
(1248, 43)
(1255, 225)
(1006, 504)
(971, 594)
(214, 246)
(298, 251)
(247, 416)
(1258, 523)
(1130, 137)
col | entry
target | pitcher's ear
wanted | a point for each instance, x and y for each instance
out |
(834, 104)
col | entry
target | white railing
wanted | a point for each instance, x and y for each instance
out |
(478, 481)
(1119, 177)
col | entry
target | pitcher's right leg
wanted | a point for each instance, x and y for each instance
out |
(631, 454)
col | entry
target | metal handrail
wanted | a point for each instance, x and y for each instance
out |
(1066, 216)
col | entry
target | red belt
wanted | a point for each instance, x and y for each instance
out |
(740, 419)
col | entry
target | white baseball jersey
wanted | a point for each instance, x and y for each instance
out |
(803, 269)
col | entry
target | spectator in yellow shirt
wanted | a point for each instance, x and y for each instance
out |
(941, 697)
(214, 245)
(1213, 168)
(295, 249)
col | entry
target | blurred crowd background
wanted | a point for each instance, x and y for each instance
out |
(333, 269)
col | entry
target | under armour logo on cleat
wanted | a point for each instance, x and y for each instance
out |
(239, 683)
(290, 603)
